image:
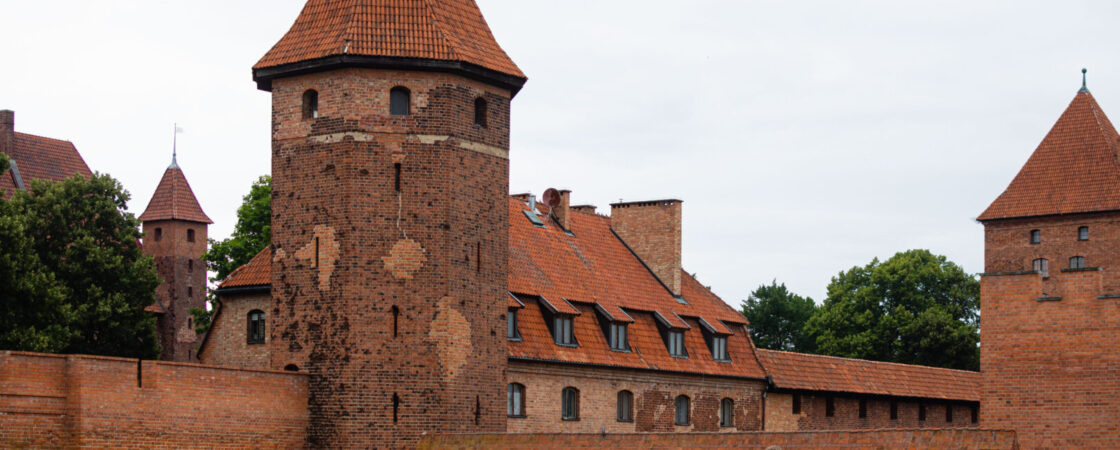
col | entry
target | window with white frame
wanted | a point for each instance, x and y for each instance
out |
(515, 400)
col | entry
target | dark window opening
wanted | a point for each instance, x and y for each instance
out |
(796, 403)
(862, 408)
(975, 410)
(399, 101)
(719, 348)
(190, 291)
(726, 413)
(310, 104)
(190, 323)
(625, 406)
(159, 234)
(921, 411)
(1077, 262)
(682, 413)
(515, 400)
(397, 176)
(139, 373)
(190, 265)
(1042, 265)
(396, 315)
(477, 410)
(948, 413)
(1036, 236)
(829, 407)
(511, 326)
(396, 406)
(316, 263)
(190, 235)
(255, 334)
(1083, 233)
(569, 404)
(562, 330)
(619, 341)
(480, 111)
(894, 409)
(676, 344)
(291, 368)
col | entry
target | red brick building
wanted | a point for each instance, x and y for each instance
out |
(35, 157)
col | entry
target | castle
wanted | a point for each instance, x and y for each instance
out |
(407, 299)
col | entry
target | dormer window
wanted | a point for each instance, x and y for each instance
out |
(1036, 236)
(719, 348)
(676, 344)
(1043, 266)
(1077, 262)
(511, 326)
(618, 337)
(562, 330)
(400, 102)
(1083, 233)
(310, 104)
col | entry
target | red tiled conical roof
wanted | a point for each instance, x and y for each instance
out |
(446, 30)
(174, 200)
(1074, 170)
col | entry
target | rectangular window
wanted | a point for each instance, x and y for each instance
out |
(894, 409)
(511, 325)
(1042, 265)
(676, 344)
(1083, 233)
(796, 403)
(829, 407)
(190, 235)
(1036, 236)
(618, 337)
(562, 330)
(719, 348)
(862, 408)
(948, 413)
(1077, 262)
(921, 411)
(190, 292)
(190, 265)
(975, 414)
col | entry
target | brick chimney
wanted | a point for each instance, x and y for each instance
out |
(652, 229)
(7, 131)
(562, 211)
(585, 209)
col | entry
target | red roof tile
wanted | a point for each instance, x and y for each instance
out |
(256, 272)
(828, 373)
(42, 158)
(1074, 170)
(174, 200)
(450, 30)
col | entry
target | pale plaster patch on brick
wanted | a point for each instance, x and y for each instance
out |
(279, 255)
(324, 244)
(406, 257)
(338, 137)
(186, 332)
(451, 334)
(464, 144)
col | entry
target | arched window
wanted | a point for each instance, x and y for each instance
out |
(726, 413)
(682, 414)
(569, 403)
(255, 332)
(400, 102)
(310, 104)
(480, 112)
(291, 368)
(625, 406)
(515, 400)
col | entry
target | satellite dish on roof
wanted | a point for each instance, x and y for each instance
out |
(551, 197)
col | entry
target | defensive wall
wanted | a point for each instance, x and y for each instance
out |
(95, 401)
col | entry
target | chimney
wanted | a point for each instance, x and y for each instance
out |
(583, 209)
(562, 212)
(7, 131)
(652, 229)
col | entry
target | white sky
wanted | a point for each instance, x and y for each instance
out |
(804, 137)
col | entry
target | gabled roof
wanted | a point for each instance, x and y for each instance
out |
(256, 272)
(174, 200)
(1074, 170)
(442, 30)
(42, 158)
(801, 371)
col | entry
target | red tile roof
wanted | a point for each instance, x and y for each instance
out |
(450, 30)
(1076, 168)
(174, 200)
(42, 158)
(256, 272)
(828, 373)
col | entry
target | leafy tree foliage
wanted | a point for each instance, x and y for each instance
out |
(4, 163)
(251, 235)
(73, 278)
(915, 308)
(778, 317)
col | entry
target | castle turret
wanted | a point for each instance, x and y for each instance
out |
(390, 147)
(175, 231)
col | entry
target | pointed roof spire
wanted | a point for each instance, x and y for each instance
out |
(1084, 87)
(175, 148)
(174, 199)
(1076, 168)
(429, 35)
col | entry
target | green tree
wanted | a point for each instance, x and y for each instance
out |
(778, 317)
(915, 308)
(252, 233)
(4, 163)
(73, 278)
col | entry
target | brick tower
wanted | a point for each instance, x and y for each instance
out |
(390, 144)
(1051, 292)
(175, 230)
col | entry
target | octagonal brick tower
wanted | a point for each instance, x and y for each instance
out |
(390, 171)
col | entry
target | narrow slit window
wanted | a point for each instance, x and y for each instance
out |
(975, 410)
(921, 411)
(894, 409)
(511, 326)
(190, 235)
(396, 406)
(190, 265)
(1036, 236)
(569, 404)
(477, 410)
(682, 415)
(796, 404)
(159, 234)
(829, 407)
(625, 406)
(478, 257)
(862, 408)
(255, 332)
(400, 101)
(948, 413)
(480, 112)
(396, 318)
(1083, 233)
(515, 400)
(726, 413)
(316, 264)
(397, 176)
(310, 104)
(190, 291)
(1077, 262)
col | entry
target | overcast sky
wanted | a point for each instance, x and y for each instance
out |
(804, 137)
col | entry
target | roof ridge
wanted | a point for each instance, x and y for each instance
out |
(43, 137)
(766, 350)
(438, 24)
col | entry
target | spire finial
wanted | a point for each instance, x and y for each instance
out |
(175, 148)
(1084, 87)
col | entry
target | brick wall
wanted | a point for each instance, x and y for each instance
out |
(72, 400)
(183, 272)
(653, 231)
(961, 439)
(1007, 246)
(654, 393)
(813, 414)
(1049, 367)
(228, 344)
(380, 293)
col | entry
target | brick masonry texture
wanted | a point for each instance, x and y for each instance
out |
(653, 231)
(654, 394)
(227, 342)
(874, 439)
(1050, 366)
(101, 402)
(1007, 247)
(179, 265)
(813, 415)
(382, 370)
